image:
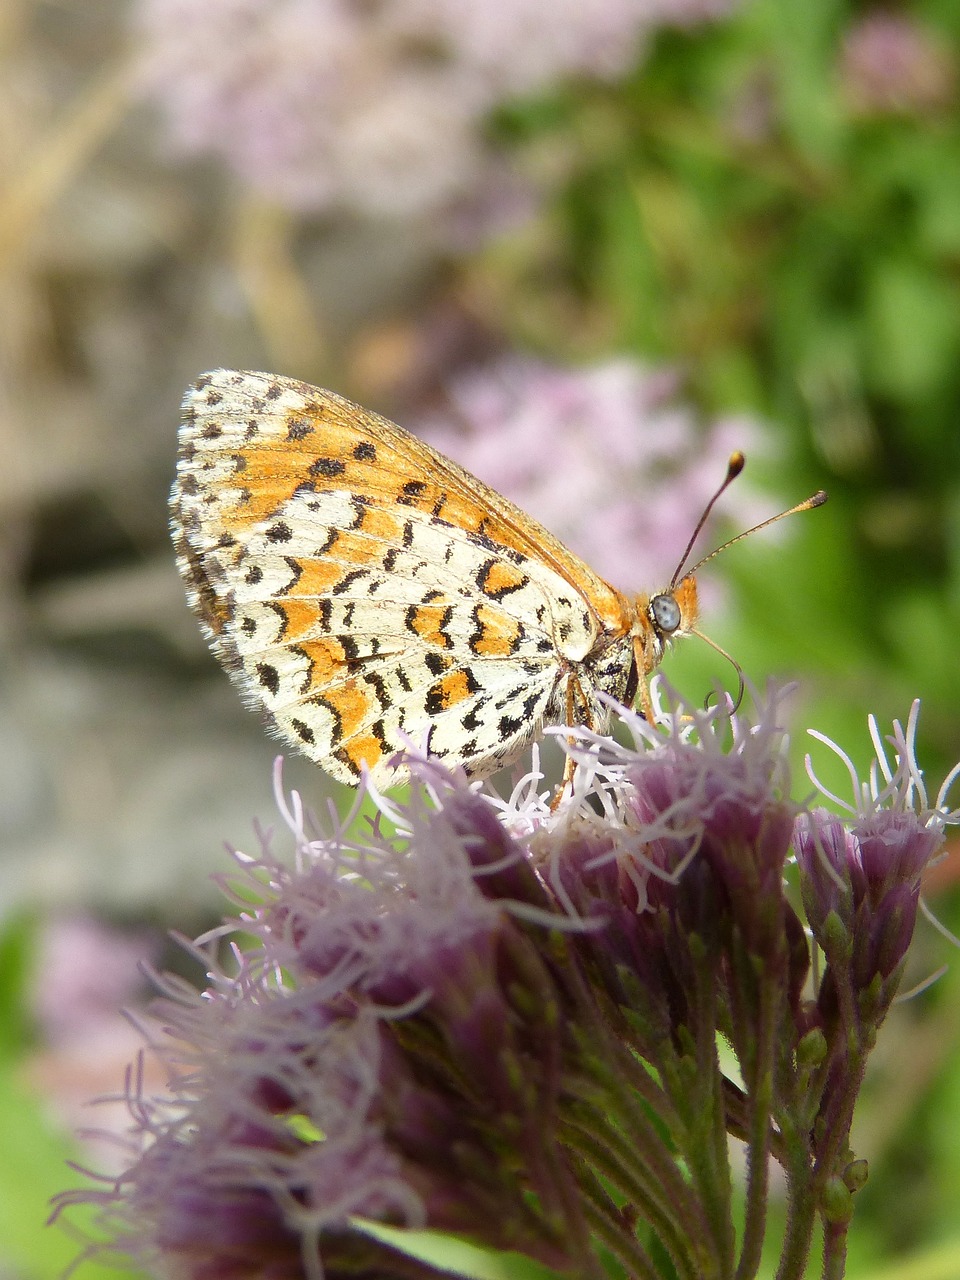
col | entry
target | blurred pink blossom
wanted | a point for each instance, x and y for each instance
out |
(377, 107)
(608, 458)
(85, 973)
(890, 63)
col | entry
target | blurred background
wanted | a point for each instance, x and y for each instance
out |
(587, 248)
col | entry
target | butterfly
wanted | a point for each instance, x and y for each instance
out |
(364, 591)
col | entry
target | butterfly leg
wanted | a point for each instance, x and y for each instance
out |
(573, 697)
(645, 667)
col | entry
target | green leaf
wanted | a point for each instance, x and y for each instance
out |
(913, 322)
(16, 943)
(940, 217)
(456, 1257)
(34, 1168)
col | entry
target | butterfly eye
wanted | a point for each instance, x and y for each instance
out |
(665, 613)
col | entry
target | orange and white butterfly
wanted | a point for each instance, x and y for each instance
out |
(363, 590)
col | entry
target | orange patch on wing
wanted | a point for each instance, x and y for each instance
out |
(450, 690)
(317, 577)
(460, 510)
(351, 704)
(300, 618)
(427, 620)
(502, 577)
(365, 750)
(349, 548)
(327, 661)
(270, 481)
(379, 523)
(497, 635)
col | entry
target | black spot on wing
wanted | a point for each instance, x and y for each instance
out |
(359, 504)
(268, 676)
(328, 468)
(472, 719)
(336, 732)
(328, 543)
(296, 571)
(348, 579)
(379, 686)
(299, 428)
(530, 704)
(303, 731)
(279, 610)
(411, 492)
(489, 544)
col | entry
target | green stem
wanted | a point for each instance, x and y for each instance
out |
(801, 1207)
(834, 1251)
(605, 1152)
(760, 1101)
(608, 1226)
(704, 1141)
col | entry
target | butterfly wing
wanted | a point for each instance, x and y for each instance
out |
(361, 588)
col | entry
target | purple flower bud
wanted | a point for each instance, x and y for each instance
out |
(864, 874)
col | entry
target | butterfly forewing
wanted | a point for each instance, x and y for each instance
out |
(363, 589)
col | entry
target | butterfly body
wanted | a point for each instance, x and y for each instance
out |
(363, 590)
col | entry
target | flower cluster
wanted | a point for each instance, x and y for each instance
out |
(504, 1026)
(611, 430)
(377, 107)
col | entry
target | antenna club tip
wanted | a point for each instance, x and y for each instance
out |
(818, 499)
(735, 465)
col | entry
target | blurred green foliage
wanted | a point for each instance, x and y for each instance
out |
(734, 208)
(35, 1151)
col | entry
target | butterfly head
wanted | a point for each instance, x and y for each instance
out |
(673, 611)
(657, 620)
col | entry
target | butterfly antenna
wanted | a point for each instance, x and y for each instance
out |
(734, 467)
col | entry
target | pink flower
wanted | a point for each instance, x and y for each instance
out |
(892, 63)
(327, 103)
